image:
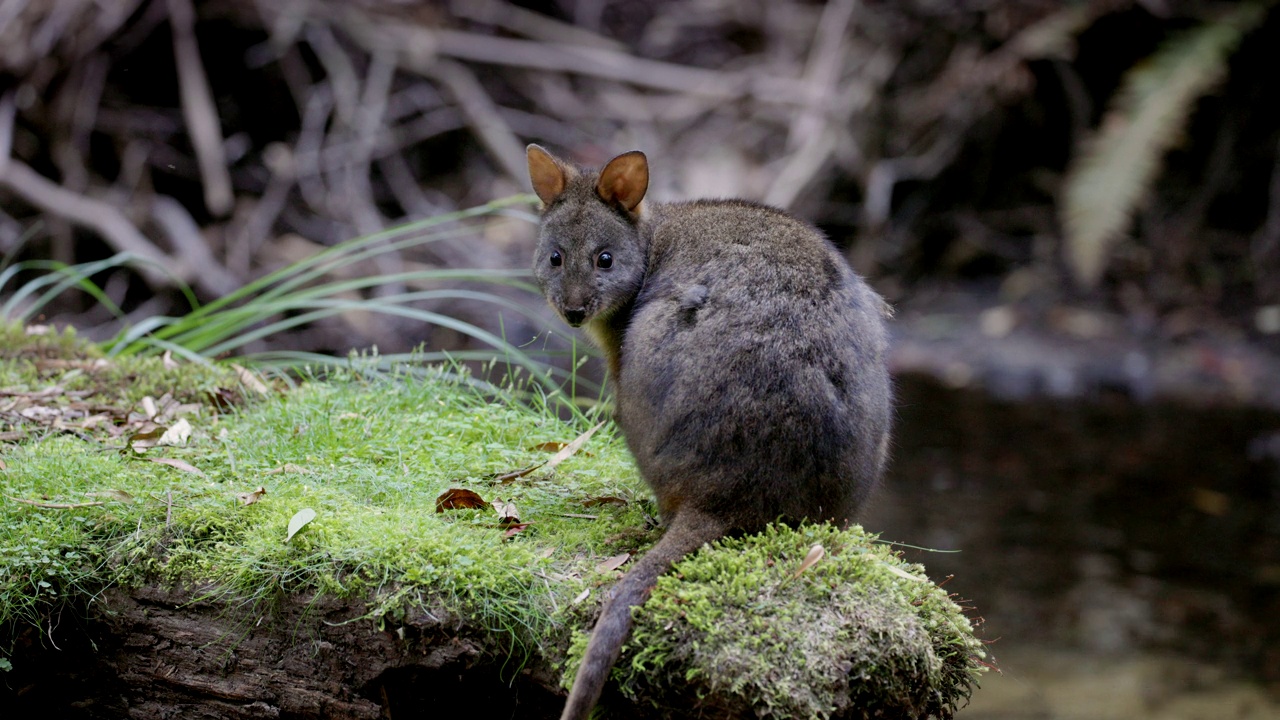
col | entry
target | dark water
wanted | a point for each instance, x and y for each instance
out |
(1125, 556)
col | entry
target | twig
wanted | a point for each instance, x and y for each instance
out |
(279, 160)
(530, 24)
(104, 218)
(482, 114)
(338, 70)
(184, 234)
(419, 47)
(56, 506)
(199, 110)
(365, 125)
(822, 73)
(8, 110)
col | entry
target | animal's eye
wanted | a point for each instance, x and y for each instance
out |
(604, 261)
(556, 259)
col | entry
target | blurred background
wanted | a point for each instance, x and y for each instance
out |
(1075, 208)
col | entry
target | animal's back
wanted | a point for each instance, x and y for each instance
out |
(752, 372)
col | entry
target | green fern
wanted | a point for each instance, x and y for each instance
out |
(1113, 170)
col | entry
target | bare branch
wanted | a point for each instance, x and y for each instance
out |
(482, 114)
(103, 218)
(197, 261)
(199, 110)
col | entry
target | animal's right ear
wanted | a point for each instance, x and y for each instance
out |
(547, 174)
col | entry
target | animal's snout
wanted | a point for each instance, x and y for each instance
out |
(576, 316)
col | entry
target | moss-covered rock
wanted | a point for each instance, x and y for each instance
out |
(734, 631)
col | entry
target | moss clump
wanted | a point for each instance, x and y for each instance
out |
(734, 632)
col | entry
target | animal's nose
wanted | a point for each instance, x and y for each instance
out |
(575, 317)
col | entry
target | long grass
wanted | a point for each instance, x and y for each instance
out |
(304, 293)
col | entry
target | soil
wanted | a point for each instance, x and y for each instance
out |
(155, 654)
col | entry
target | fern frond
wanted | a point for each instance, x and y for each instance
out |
(1112, 171)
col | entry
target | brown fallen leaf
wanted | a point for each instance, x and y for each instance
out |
(459, 498)
(555, 446)
(148, 437)
(182, 465)
(250, 498)
(816, 553)
(573, 447)
(250, 379)
(604, 500)
(613, 563)
(507, 512)
(223, 398)
(582, 596)
(515, 529)
(505, 478)
(56, 506)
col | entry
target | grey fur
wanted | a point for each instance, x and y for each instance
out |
(748, 363)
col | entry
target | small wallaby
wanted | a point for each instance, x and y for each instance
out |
(747, 361)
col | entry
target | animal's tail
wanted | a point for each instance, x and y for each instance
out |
(688, 531)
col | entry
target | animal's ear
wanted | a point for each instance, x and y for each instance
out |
(624, 180)
(549, 175)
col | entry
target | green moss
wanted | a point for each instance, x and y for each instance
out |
(370, 454)
(860, 633)
(82, 374)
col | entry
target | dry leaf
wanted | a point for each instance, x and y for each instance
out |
(3, 466)
(250, 498)
(516, 474)
(459, 498)
(554, 446)
(55, 506)
(816, 553)
(582, 596)
(515, 529)
(148, 437)
(299, 521)
(250, 379)
(119, 495)
(149, 407)
(177, 434)
(507, 512)
(613, 563)
(604, 500)
(182, 465)
(573, 447)
(904, 574)
(223, 398)
(167, 360)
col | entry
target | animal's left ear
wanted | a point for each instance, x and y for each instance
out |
(625, 180)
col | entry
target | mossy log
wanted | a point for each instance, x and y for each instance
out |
(737, 630)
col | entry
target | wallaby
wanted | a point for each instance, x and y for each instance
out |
(747, 362)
